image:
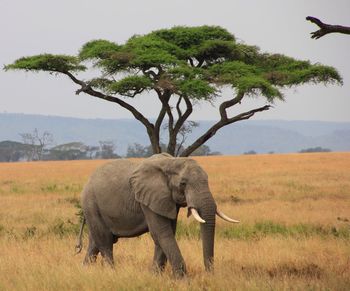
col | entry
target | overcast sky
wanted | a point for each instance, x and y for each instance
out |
(62, 27)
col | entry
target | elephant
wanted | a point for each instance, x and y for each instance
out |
(125, 199)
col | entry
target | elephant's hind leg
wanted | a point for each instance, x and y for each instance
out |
(107, 254)
(106, 250)
(100, 238)
(92, 252)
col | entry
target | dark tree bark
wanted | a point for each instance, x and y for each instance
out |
(152, 130)
(224, 120)
(326, 28)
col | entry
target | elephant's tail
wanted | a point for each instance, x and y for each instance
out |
(79, 243)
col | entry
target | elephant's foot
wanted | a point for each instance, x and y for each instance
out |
(180, 272)
(107, 255)
(89, 259)
(108, 263)
(159, 260)
(157, 269)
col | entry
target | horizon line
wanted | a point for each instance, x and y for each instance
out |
(151, 118)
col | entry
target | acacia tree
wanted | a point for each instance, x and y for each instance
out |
(183, 66)
(37, 143)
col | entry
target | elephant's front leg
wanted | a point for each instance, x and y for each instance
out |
(162, 232)
(159, 259)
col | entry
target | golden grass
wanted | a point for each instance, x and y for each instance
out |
(38, 225)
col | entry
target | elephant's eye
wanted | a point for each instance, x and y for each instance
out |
(182, 185)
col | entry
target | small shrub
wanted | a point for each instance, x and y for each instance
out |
(49, 188)
(29, 232)
(242, 232)
(2, 229)
(61, 188)
(62, 228)
(250, 153)
(269, 227)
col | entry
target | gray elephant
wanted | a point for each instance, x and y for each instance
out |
(124, 199)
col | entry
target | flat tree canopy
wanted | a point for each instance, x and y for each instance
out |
(184, 66)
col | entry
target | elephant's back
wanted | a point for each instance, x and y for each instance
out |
(109, 184)
(114, 172)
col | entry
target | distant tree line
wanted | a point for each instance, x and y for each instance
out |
(11, 151)
(315, 150)
(307, 150)
(37, 146)
(139, 151)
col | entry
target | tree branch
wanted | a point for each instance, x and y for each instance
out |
(200, 63)
(150, 73)
(136, 92)
(183, 117)
(172, 136)
(179, 145)
(248, 114)
(326, 28)
(88, 90)
(179, 123)
(160, 118)
(230, 103)
(221, 123)
(178, 109)
(191, 62)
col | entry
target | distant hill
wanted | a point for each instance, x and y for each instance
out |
(262, 136)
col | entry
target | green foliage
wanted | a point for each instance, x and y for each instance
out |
(250, 84)
(270, 228)
(51, 187)
(187, 61)
(195, 89)
(47, 62)
(137, 150)
(214, 50)
(188, 231)
(63, 228)
(149, 51)
(130, 84)
(315, 74)
(263, 229)
(192, 37)
(98, 49)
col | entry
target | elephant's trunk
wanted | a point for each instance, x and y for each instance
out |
(207, 212)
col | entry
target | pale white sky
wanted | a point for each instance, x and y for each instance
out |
(62, 27)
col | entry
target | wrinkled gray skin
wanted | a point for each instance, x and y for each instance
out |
(123, 199)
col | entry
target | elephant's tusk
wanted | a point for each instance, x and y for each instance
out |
(196, 215)
(225, 217)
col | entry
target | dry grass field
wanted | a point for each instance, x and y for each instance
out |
(294, 232)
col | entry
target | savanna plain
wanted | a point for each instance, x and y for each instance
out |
(294, 232)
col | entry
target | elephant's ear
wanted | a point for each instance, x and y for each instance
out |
(150, 186)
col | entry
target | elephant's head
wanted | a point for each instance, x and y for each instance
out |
(164, 183)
